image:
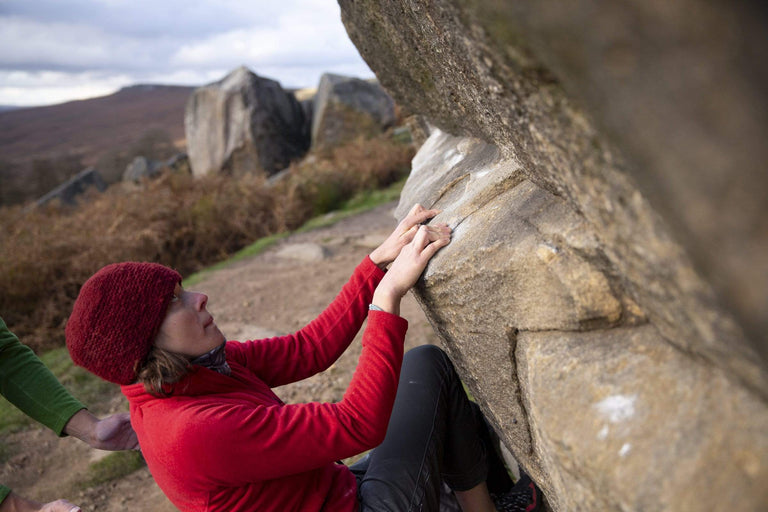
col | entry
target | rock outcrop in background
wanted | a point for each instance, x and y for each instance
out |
(142, 167)
(68, 192)
(606, 293)
(243, 124)
(346, 108)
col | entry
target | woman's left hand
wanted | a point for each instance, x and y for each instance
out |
(386, 253)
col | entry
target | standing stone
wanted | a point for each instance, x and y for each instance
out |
(243, 124)
(346, 108)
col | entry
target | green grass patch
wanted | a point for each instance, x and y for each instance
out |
(359, 203)
(114, 466)
(467, 391)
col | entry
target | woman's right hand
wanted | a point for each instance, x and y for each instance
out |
(407, 268)
(404, 233)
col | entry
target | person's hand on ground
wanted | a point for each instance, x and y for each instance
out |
(404, 233)
(60, 506)
(15, 503)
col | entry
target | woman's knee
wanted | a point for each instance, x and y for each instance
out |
(426, 353)
(426, 358)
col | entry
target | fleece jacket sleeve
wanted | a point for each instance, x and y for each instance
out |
(28, 384)
(285, 359)
(237, 444)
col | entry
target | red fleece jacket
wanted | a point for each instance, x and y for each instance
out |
(227, 443)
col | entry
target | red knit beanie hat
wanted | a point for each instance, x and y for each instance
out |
(116, 317)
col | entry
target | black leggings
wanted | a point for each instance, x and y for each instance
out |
(435, 435)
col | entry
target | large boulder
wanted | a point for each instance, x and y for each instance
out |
(606, 294)
(243, 124)
(598, 102)
(579, 381)
(346, 108)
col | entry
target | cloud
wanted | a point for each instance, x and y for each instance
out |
(54, 46)
(51, 87)
(92, 45)
(296, 40)
(148, 18)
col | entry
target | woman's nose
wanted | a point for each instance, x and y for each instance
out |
(201, 300)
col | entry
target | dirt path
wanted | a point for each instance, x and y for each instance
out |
(275, 292)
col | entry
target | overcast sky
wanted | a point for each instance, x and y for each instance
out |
(53, 51)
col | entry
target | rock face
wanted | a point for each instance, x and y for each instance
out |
(67, 192)
(241, 124)
(345, 108)
(583, 386)
(605, 293)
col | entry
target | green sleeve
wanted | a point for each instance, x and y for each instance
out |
(4, 491)
(28, 384)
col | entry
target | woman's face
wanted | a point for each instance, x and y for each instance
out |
(188, 328)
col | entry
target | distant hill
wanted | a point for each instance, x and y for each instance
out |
(43, 146)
